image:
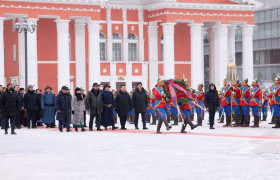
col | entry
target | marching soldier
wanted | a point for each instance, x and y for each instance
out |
(265, 105)
(271, 103)
(256, 102)
(276, 101)
(160, 105)
(245, 102)
(236, 95)
(221, 110)
(199, 98)
(226, 102)
(174, 113)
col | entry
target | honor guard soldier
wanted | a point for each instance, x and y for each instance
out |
(256, 102)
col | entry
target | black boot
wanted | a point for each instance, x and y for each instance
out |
(154, 120)
(184, 125)
(159, 126)
(222, 119)
(256, 122)
(13, 133)
(188, 121)
(167, 125)
(227, 121)
(199, 121)
(264, 117)
(273, 120)
(277, 125)
(76, 129)
(83, 129)
(180, 119)
(168, 118)
(175, 121)
(192, 117)
(114, 127)
(6, 131)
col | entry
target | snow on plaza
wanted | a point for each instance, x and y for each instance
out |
(223, 153)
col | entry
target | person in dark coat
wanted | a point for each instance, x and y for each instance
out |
(16, 91)
(140, 104)
(9, 107)
(211, 102)
(21, 110)
(107, 117)
(94, 105)
(48, 107)
(39, 112)
(123, 105)
(63, 108)
(31, 105)
(85, 112)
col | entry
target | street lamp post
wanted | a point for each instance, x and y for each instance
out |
(25, 27)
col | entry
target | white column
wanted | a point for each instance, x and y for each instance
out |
(129, 76)
(197, 64)
(94, 52)
(21, 57)
(231, 42)
(32, 56)
(80, 53)
(2, 68)
(144, 75)
(247, 40)
(63, 53)
(153, 53)
(168, 53)
(211, 33)
(113, 75)
(141, 35)
(125, 35)
(109, 36)
(221, 31)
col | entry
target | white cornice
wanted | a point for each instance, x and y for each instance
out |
(205, 6)
(243, 5)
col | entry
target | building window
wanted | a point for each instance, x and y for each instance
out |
(102, 47)
(161, 48)
(15, 53)
(117, 47)
(132, 47)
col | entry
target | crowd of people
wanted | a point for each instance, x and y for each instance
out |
(236, 102)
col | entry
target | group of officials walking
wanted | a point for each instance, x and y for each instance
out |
(235, 102)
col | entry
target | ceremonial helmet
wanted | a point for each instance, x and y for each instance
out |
(201, 85)
(160, 80)
(256, 81)
(245, 80)
(277, 78)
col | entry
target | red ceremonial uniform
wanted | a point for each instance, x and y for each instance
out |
(246, 94)
(226, 96)
(236, 97)
(160, 102)
(256, 97)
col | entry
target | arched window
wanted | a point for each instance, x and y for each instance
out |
(161, 48)
(117, 47)
(132, 47)
(102, 40)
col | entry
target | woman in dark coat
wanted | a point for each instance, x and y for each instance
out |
(211, 102)
(123, 105)
(107, 117)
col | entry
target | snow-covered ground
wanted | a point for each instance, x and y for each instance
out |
(223, 153)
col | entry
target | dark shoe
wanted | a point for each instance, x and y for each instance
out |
(83, 129)
(188, 121)
(277, 125)
(199, 121)
(28, 127)
(61, 130)
(227, 121)
(145, 128)
(154, 122)
(167, 125)
(264, 117)
(123, 128)
(106, 128)
(68, 130)
(6, 132)
(137, 128)
(13, 133)
(211, 128)
(90, 129)
(99, 129)
(76, 129)
(221, 119)
(114, 127)
(273, 120)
